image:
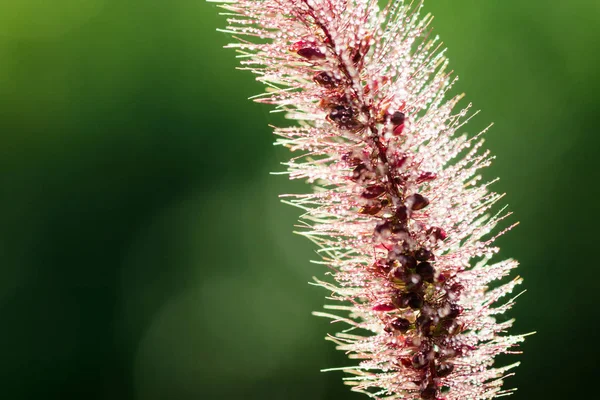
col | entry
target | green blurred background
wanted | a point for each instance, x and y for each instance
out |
(144, 253)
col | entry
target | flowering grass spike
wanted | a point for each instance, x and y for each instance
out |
(399, 211)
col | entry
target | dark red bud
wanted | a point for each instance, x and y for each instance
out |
(397, 118)
(356, 57)
(384, 307)
(402, 213)
(343, 116)
(406, 362)
(382, 266)
(451, 327)
(426, 177)
(397, 253)
(383, 228)
(398, 228)
(382, 149)
(444, 310)
(407, 262)
(398, 163)
(444, 369)
(429, 392)
(365, 47)
(400, 324)
(419, 360)
(373, 191)
(412, 300)
(446, 352)
(455, 311)
(423, 255)
(437, 233)
(400, 300)
(426, 271)
(311, 53)
(361, 173)
(351, 159)
(417, 201)
(326, 80)
(370, 209)
(457, 288)
(413, 282)
(398, 274)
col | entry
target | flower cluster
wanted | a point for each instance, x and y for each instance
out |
(399, 212)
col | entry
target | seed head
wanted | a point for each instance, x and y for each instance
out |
(398, 211)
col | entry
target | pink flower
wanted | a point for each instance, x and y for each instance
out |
(399, 211)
